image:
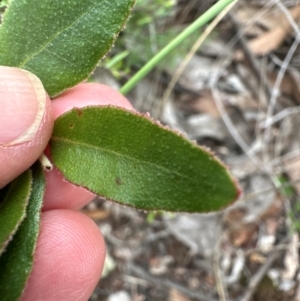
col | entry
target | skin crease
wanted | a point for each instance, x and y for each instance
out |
(22, 139)
(70, 250)
(18, 158)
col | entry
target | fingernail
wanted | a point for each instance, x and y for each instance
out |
(22, 105)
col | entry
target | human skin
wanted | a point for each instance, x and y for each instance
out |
(70, 250)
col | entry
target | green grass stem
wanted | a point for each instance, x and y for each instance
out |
(201, 21)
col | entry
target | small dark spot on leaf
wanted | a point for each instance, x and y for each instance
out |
(118, 181)
(79, 111)
(71, 125)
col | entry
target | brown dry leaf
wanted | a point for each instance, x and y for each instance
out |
(159, 265)
(234, 216)
(257, 258)
(272, 39)
(96, 215)
(139, 298)
(267, 235)
(256, 19)
(205, 104)
(294, 79)
(240, 232)
(290, 84)
(274, 211)
(176, 296)
(210, 280)
(243, 235)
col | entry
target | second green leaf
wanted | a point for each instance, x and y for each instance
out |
(126, 157)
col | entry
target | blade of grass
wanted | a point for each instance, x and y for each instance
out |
(157, 113)
(201, 21)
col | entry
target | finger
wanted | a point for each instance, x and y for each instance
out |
(26, 121)
(89, 94)
(68, 260)
(59, 193)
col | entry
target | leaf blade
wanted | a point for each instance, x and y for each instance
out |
(66, 52)
(17, 261)
(13, 202)
(126, 157)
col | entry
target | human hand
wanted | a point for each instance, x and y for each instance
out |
(70, 251)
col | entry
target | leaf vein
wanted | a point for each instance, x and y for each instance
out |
(60, 57)
(57, 34)
(121, 155)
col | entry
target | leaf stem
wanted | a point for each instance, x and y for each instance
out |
(201, 21)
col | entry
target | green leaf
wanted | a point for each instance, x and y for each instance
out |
(3, 3)
(17, 260)
(126, 157)
(13, 201)
(60, 41)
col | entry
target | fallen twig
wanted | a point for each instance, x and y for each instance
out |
(259, 275)
(159, 282)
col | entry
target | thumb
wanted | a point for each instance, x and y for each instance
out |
(26, 121)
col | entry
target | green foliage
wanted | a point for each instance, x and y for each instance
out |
(17, 261)
(116, 64)
(294, 215)
(152, 215)
(66, 52)
(13, 201)
(147, 32)
(3, 3)
(288, 191)
(123, 156)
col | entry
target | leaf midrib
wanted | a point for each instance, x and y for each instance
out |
(57, 34)
(76, 143)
